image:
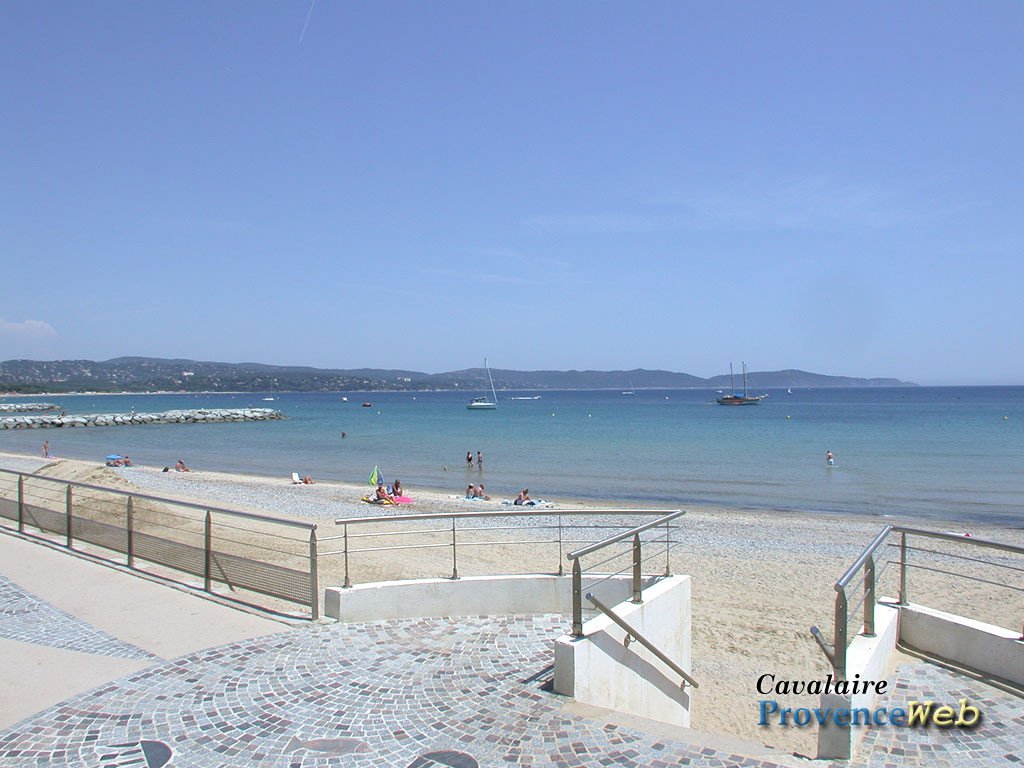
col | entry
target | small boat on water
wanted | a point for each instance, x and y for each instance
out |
(367, 405)
(482, 403)
(267, 399)
(535, 397)
(735, 399)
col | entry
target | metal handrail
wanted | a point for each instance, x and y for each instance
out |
(192, 505)
(866, 561)
(577, 571)
(71, 499)
(453, 530)
(625, 535)
(533, 512)
(632, 633)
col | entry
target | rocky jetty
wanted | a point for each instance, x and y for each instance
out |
(22, 407)
(200, 416)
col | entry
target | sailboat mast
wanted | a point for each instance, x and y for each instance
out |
(489, 379)
(732, 384)
(744, 379)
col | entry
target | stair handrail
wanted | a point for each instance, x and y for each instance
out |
(631, 632)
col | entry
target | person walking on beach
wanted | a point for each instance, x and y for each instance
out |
(469, 459)
(479, 460)
(46, 449)
(829, 459)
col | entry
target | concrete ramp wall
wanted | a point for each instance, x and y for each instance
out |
(973, 644)
(602, 670)
(868, 657)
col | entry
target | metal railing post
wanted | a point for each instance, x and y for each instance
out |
(637, 586)
(348, 582)
(207, 546)
(130, 525)
(869, 597)
(840, 635)
(21, 503)
(69, 504)
(561, 567)
(903, 568)
(455, 559)
(577, 599)
(314, 581)
(668, 547)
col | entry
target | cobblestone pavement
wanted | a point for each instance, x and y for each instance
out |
(28, 619)
(461, 692)
(997, 740)
(417, 693)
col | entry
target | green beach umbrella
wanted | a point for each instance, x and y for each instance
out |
(376, 476)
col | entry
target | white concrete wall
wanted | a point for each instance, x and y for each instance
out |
(982, 647)
(599, 669)
(469, 596)
(869, 657)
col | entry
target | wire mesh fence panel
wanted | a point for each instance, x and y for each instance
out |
(267, 579)
(45, 520)
(9, 509)
(177, 540)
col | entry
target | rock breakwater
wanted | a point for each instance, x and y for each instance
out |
(22, 407)
(200, 416)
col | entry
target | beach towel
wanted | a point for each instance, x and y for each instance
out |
(374, 500)
(403, 499)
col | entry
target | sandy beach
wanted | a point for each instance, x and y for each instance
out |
(760, 578)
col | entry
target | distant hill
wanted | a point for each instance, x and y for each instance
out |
(147, 374)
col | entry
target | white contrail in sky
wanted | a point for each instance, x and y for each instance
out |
(308, 15)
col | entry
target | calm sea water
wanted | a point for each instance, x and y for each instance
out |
(941, 452)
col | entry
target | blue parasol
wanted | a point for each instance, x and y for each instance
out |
(114, 457)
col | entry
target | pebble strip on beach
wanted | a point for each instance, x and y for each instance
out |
(118, 419)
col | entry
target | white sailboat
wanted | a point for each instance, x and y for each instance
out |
(482, 403)
(630, 390)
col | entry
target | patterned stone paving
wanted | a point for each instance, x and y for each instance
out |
(461, 693)
(997, 740)
(26, 618)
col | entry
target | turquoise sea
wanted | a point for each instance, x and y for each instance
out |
(939, 452)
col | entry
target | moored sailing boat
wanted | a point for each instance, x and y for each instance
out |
(735, 399)
(482, 403)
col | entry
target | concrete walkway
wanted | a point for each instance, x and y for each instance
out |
(68, 624)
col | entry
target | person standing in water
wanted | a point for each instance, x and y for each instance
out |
(469, 459)
(829, 459)
(479, 460)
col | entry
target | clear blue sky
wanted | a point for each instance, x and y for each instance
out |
(677, 185)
